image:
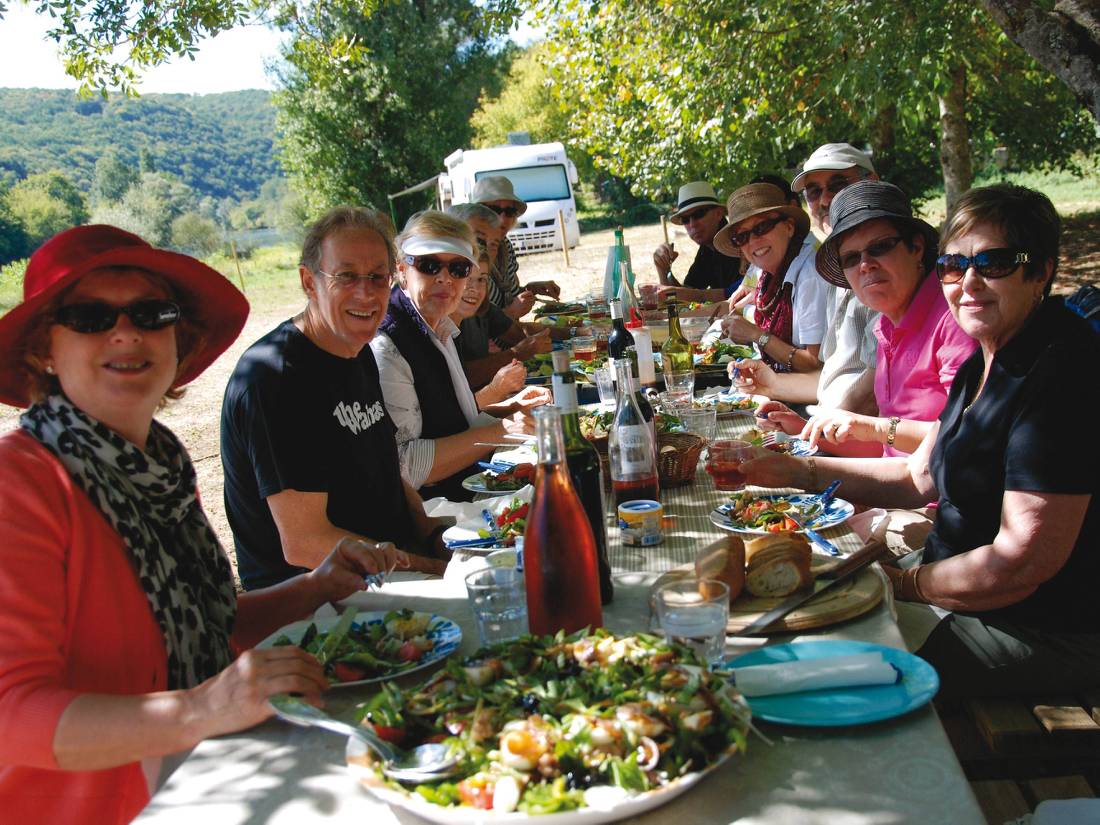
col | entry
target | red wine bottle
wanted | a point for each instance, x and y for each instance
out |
(559, 549)
(632, 449)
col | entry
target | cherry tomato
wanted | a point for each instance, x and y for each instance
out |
(409, 652)
(475, 794)
(344, 672)
(390, 733)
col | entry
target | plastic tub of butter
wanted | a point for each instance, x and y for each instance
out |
(640, 522)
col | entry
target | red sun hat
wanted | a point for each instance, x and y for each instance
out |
(214, 303)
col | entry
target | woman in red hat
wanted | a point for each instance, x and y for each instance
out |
(120, 623)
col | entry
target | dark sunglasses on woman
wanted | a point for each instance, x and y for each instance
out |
(989, 263)
(510, 211)
(876, 249)
(430, 265)
(96, 316)
(761, 229)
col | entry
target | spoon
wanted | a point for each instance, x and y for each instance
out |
(424, 763)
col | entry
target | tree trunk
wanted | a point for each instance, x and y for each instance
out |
(1065, 41)
(955, 138)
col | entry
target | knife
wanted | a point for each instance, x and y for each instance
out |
(874, 549)
(335, 636)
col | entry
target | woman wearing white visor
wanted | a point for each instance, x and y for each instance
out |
(426, 391)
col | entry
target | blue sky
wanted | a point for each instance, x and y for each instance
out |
(232, 60)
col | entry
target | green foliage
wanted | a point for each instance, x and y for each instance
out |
(112, 178)
(46, 204)
(149, 207)
(13, 238)
(144, 34)
(375, 98)
(11, 283)
(665, 92)
(219, 145)
(196, 235)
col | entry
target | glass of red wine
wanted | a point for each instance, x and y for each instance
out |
(724, 459)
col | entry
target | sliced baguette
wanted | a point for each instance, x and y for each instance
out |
(723, 560)
(777, 565)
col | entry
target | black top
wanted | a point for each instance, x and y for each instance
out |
(441, 415)
(475, 333)
(298, 418)
(713, 270)
(1019, 436)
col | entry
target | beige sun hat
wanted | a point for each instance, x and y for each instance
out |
(755, 199)
(497, 188)
(830, 157)
(692, 196)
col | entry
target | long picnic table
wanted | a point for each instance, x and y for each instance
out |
(896, 771)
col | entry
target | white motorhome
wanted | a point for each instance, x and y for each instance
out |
(541, 174)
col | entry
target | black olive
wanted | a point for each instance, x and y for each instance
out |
(530, 703)
(578, 780)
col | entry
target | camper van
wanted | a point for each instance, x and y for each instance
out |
(541, 174)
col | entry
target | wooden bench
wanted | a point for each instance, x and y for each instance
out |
(1019, 752)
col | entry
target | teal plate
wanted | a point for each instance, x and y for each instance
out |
(837, 707)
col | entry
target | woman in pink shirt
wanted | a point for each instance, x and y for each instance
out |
(119, 625)
(886, 256)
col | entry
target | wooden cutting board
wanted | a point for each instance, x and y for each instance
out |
(846, 600)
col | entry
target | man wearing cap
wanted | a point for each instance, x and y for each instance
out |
(712, 275)
(306, 441)
(496, 193)
(846, 379)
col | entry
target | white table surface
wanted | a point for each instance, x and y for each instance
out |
(897, 771)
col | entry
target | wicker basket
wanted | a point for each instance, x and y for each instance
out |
(678, 458)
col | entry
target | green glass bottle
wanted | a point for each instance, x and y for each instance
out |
(676, 352)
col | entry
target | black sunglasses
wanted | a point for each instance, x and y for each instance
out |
(695, 216)
(875, 249)
(510, 211)
(761, 229)
(989, 263)
(96, 316)
(430, 265)
(833, 187)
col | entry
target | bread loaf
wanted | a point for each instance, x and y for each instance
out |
(723, 560)
(777, 565)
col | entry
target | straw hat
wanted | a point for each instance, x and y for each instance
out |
(692, 196)
(497, 188)
(213, 302)
(755, 199)
(865, 201)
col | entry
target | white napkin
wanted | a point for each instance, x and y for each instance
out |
(523, 454)
(467, 514)
(856, 670)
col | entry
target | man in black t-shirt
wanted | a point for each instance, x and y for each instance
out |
(307, 445)
(712, 275)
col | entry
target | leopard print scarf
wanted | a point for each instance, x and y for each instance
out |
(149, 499)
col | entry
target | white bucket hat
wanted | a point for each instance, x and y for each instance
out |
(497, 188)
(832, 156)
(692, 196)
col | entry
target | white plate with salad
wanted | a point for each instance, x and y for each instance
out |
(534, 749)
(509, 517)
(378, 646)
(756, 514)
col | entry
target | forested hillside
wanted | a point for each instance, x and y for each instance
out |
(220, 145)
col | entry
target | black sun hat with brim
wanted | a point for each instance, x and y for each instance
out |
(863, 201)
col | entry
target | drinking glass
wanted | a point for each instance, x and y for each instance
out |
(680, 384)
(695, 613)
(498, 600)
(584, 347)
(597, 307)
(724, 459)
(648, 297)
(605, 384)
(702, 422)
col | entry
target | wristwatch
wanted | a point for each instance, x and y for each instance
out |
(762, 341)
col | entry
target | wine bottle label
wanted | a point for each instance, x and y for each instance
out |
(565, 393)
(635, 453)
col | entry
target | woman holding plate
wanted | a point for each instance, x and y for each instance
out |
(121, 624)
(1013, 551)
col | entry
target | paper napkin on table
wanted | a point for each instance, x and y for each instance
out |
(856, 670)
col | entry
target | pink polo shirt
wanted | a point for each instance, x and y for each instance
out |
(918, 358)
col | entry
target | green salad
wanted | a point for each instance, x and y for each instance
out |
(550, 724)
(370, 649)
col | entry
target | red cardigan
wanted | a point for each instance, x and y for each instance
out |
(73, 619)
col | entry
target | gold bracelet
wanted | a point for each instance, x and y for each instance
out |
(812, 465)
(909, 585)
(893, 431)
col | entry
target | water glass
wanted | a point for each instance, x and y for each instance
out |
(584, 347)
(680, 385)
(498, 599)
(605, 384)
(724, 459)
(702, 422)
(695, 613)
